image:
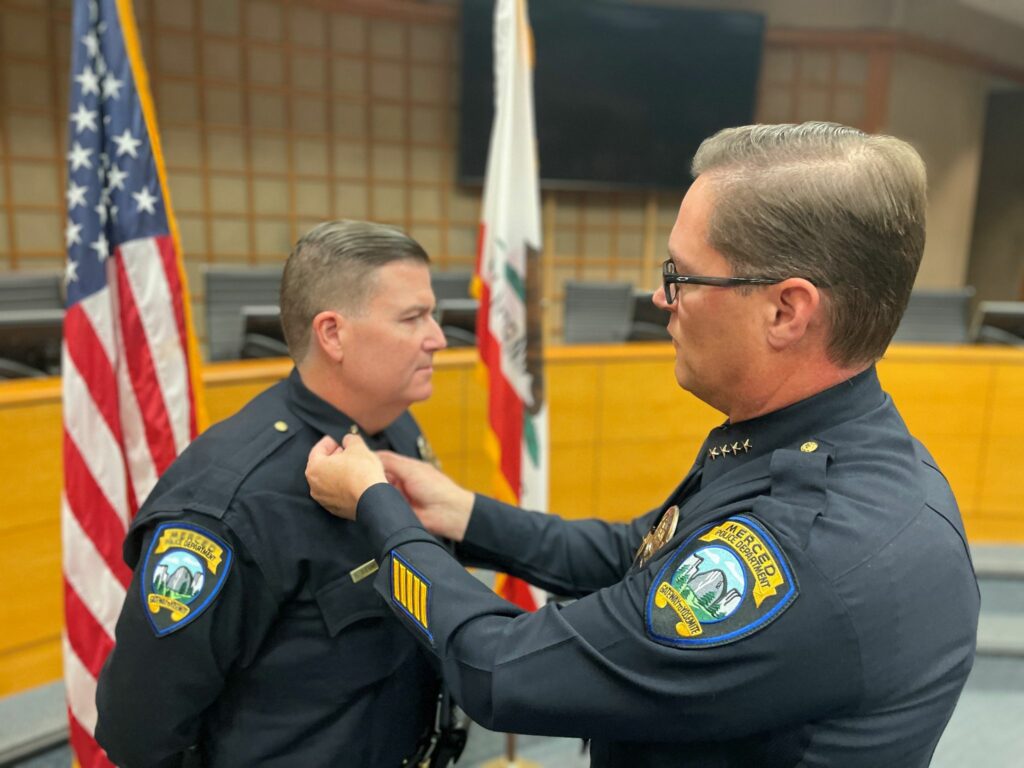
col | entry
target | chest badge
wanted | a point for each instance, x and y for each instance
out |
(725, 582)
(426, 452)
(184, 570)
(657, 538)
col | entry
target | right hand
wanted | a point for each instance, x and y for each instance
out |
(441, 505)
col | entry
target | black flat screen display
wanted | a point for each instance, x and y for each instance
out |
(623, 93)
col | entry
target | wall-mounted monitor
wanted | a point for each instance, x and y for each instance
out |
(624, 93)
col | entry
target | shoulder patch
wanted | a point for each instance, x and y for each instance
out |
(410, 591)
(725, 582)
(184, 570)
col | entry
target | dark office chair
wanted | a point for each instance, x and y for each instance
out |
(457, 318)
(649, 322)
(939, 317)
(597, 313)
(262, 335)
(999, 322)
(228, 290)
(451, 285)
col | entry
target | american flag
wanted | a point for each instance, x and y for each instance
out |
(129, 360)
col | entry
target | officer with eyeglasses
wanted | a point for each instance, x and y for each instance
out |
(805, 595)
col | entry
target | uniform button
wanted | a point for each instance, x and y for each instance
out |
(280, 426)
(809, 447)
(353, 430)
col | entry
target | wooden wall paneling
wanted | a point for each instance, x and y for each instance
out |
(34, 606)
(1001, 495)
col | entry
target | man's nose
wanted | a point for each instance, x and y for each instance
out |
(658, 299)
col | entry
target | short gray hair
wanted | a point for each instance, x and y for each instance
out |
(333, 267)
(840, 207)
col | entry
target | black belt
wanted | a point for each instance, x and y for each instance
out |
(444, 742)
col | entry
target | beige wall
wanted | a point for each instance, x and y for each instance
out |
(278, 113)
(940, 109)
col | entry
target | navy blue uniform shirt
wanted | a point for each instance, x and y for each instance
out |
(249, 627)
(816, 605)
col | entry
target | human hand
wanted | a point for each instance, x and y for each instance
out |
(442, 506)
(338, 476)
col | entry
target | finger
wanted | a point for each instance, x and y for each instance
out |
(324, 447)
(392, 461)
(353, 441)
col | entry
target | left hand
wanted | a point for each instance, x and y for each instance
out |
(338, 476)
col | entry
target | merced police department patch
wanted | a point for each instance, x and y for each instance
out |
(726, 581)
(185, 568)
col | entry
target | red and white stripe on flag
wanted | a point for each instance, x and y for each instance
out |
(129, 367)
(508, 323)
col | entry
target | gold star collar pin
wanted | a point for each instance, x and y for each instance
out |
(729, 449)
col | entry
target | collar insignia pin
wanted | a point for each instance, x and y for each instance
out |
(658, 537)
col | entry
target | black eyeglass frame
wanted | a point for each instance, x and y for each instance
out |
(670, 278)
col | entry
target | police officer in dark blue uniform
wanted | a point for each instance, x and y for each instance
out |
(251, 633)
(805, 596)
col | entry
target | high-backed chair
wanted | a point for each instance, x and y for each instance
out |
(450, 285)
(597, 312)
(228, 290)
(31, 312)
(940, 317)
(456, 309)
(999, 322)
(649, 322)
(31, 290)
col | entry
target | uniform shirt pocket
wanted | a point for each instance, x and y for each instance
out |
(344, 602)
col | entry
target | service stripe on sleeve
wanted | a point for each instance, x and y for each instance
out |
(410, 591)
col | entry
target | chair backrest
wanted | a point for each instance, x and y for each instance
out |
(457, 318)
(450, 285)
(228, 289)
(649, 322)
(31, 290)
(30, 342)
(936, 316)
(597, 312)
(999, 322)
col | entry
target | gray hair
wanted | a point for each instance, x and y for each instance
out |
(333, 266)
(837, 206)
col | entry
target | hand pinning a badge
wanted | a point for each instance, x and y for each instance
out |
(339, 475)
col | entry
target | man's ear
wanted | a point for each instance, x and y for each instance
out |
(796, 303)
(328, 334)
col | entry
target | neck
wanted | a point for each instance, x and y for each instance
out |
(322, 381)
(789, 384)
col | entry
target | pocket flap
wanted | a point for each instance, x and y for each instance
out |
(344, 602)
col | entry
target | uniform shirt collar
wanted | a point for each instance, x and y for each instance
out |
(325, 418)
(797, 426)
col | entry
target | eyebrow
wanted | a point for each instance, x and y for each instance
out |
(416, 309)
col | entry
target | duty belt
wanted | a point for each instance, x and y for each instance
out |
(444, 743)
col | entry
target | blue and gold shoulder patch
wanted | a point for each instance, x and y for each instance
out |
(725, 582)
(410, 591)
(183, 572)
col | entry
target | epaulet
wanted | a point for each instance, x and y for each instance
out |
(799, 485)
(206, 477)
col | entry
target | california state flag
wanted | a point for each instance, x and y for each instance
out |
(509, 282)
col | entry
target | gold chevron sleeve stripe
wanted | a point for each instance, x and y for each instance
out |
(417, 590)
(423, 603)
(409, 591)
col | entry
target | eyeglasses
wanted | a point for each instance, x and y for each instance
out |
(670, 279)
